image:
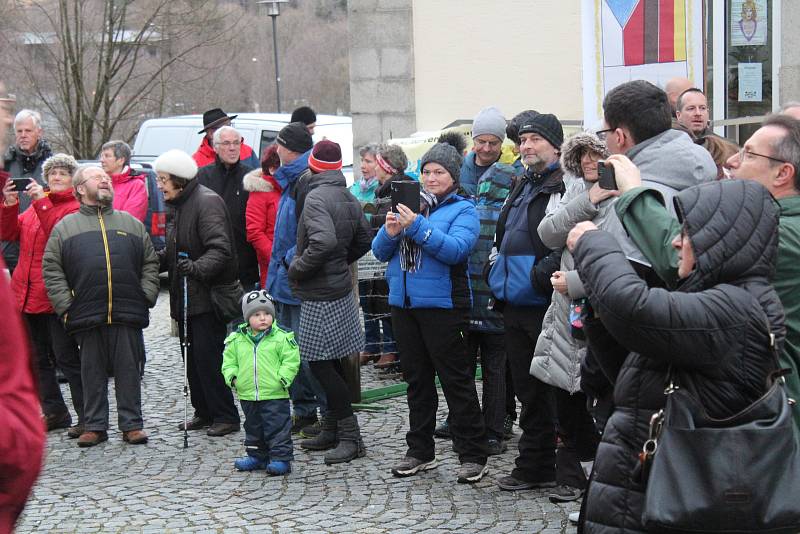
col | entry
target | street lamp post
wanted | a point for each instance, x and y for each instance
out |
(274, 10)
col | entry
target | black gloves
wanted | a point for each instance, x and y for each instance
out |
(185, 267)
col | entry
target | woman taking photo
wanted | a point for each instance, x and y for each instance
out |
(429, 294)
(48, 337)
(201, 229)
(713, 332)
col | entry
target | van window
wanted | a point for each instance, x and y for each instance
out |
(267, 138)
(161, 138)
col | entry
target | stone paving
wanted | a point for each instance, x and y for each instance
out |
(161, 487)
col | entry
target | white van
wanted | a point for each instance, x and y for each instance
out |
(259, 130)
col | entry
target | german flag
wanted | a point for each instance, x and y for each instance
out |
(655, 32)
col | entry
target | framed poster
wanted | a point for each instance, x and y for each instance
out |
(625, 40)
(748, 22)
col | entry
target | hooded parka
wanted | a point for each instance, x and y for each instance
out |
(713, 331)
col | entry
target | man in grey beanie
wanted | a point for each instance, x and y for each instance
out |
(488, 133)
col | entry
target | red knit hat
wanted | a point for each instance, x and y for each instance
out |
(326, 156)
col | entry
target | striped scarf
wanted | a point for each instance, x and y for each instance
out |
(411, 252)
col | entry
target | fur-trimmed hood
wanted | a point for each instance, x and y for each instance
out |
(573, 148)
(255, 182)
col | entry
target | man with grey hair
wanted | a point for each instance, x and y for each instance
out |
(225, 177)
(24, 159)
(102, 303)
(130, 190)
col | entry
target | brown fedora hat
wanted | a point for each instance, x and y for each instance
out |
(214, 117)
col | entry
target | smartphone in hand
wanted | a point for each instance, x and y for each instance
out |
(606, 177)
(405, 192)
(20, 184)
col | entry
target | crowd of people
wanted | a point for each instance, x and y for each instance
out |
(580, 300)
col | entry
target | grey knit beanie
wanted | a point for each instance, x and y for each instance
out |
(489, 121)
(446, 156)
(258, 300)
(64, 161)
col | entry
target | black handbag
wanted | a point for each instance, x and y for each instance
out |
(226, 300)
(739, 474)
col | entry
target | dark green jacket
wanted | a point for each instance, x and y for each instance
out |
(652, 228)
(99, 267)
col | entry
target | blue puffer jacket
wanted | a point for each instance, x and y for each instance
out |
(447, 237)
(285, 239)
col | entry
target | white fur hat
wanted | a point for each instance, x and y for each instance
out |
(177, 163)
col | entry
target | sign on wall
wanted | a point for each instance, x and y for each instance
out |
(626, 40)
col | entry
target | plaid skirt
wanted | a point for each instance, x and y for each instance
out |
(329, 330)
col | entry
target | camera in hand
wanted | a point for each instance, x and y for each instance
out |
(405, 192)
(606, 177)
(20, 184)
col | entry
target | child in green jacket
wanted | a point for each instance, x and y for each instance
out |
(260, 361)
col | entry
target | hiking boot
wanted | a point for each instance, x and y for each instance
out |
(495, 447)
(195, 423)
(366, 357)
(326, 439)
(300, 422)
(135, 437)
(409, 466)
(311, 431)
(386, 360)
(510, 483)
(443, 430)
(222, 429)
(277, 468)
(350, 446)
(564, 493)
(74, 432)
(92, 438)
(55, 421)
(249, 463)
(508, 427)
(469, 472)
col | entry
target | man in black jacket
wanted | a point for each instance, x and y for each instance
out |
(520, 279)
(224, 177)
(101, 273)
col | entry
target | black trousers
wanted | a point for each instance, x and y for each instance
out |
(330, 375)
(579, 437)
(434, 342)
(114, 348)
(492, 348)
(54, 347)
(212, 400)
(536, 461)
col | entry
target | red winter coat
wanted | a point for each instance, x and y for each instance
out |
(21, 428)
(32, 229)
(205, 155)
(262, 207)
(130, 193)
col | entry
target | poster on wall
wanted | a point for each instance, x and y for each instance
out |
(748, 22)
(625, 40)
(750, 82)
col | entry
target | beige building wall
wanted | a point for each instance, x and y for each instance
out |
(469, 54)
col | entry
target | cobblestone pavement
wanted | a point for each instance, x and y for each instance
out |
(161, 487)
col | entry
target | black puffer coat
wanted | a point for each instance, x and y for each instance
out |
(200, 226)
(332, 233)
(713, 330)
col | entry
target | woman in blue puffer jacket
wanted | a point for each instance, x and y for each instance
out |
(430, 298)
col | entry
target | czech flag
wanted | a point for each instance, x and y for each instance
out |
(654, 31)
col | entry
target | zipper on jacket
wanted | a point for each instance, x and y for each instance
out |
(108, 259)
(255, 367)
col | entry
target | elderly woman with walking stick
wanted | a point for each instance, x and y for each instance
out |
(200, 251)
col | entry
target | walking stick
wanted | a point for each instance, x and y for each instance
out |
(185, 345)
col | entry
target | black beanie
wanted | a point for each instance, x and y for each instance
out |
(295, 137)
(305, 115)
(546, 125)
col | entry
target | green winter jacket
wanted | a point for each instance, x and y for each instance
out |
(652, 228)
(264, 371)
